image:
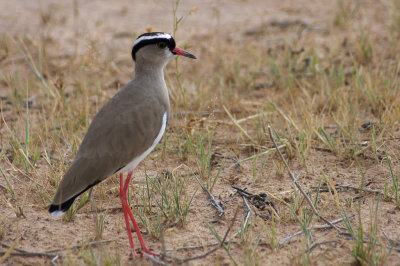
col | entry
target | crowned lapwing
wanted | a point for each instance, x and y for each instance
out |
(125, 130)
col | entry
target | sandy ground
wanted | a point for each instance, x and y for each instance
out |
(116, 22)
(107, 20)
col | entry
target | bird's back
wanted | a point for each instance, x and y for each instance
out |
(122, 130)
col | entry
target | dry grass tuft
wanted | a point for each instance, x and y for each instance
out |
(328, 86)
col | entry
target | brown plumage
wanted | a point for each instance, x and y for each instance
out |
(125, 130)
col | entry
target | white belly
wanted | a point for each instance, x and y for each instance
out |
(132, 165)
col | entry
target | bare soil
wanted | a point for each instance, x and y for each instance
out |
(113, 24)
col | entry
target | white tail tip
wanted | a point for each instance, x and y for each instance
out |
(57, 214)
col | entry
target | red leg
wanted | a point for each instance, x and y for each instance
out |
(128, 212)
(139, 234)
(127, 180)
(122, 194)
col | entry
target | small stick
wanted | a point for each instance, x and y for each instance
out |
(22, 252)
(297, 184)
(203, 246)
(242, 191)
(212, 250)
(27, 253)
(154, 259)
(214, 202)
(3, 186)
(44, 254)
(321, 243)
(214, 244)
(286, 239)
(51, 253)
(53, 260)
(363, 189)
(222, 242)
(79, 245)
(246, 220)
(392, 241)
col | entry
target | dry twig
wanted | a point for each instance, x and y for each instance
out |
(357, 188)
(154, 259)
(286, 239)
(259, 201)
(77, 246)
(214, 202)
(246, 220)
(297, 184)
(22, 252)
(316, 244)
(212, 250)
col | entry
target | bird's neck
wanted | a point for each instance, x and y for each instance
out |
(152, 74)
(150, 71)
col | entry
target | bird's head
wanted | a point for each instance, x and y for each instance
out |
(156, 48)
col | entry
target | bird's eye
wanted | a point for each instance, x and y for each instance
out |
(162, 45)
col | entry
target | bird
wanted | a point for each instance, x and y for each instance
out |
(124, 131)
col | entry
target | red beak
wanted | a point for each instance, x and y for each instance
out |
(180, 51)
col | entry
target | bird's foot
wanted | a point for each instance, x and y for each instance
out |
(136, 254)
(149, 252)
(139, 253)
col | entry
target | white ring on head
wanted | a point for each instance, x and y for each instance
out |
(150, 37)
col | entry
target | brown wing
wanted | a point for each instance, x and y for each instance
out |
(123, 129)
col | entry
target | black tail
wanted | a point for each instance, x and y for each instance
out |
(63, 206)
(67, 204)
